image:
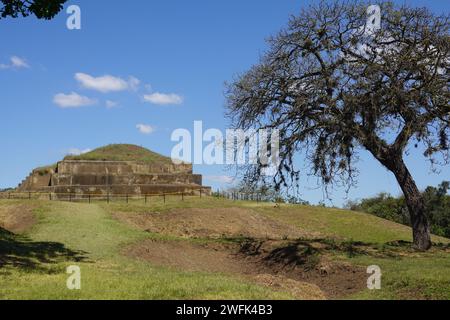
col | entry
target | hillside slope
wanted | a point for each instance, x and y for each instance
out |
(211, 248)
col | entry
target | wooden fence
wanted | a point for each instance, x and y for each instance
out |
(107, 197)
(114, 197)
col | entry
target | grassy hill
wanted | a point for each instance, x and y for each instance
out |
(122, 152)
(210, 249)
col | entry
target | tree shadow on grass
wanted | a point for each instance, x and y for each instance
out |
(314, 260)
(20, 252)
(305, 253)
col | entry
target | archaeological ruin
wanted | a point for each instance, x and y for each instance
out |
(115, 170)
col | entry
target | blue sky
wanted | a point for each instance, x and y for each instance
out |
(181, 51)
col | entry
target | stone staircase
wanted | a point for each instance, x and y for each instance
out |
(25, 183)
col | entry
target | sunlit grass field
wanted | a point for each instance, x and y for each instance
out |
(87, 235)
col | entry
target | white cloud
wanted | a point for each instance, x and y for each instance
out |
(72, 100)
(163, 99)
(111, 104)
(15, 62)
(220, 179)
(145, 128)
(106, 83)
(77, 152)
(133, 83)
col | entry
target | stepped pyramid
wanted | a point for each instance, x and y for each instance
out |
(115, 169)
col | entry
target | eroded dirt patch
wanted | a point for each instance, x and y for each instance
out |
(189, 256)
(212, 223)
(272, 263)
(308, 261)
(16, 218)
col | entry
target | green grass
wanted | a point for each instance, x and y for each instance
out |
(425, 276)
(406, 274)
(86, 235)
(106, 274)
(342, 223)
(122, 152)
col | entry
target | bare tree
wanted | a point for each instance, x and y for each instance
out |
(334, 81)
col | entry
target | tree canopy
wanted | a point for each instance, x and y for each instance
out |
(42, 9)
(334, 81)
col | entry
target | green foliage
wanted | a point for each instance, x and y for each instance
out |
(387, 207)
(437, 206)
(42, 9)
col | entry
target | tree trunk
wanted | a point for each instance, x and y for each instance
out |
(414, 201)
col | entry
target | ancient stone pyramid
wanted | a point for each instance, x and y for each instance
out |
(115, 169)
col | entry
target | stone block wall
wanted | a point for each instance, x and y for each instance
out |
(115, 177)
(128, 179)
(118, 167)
